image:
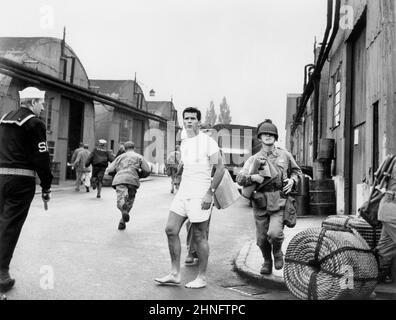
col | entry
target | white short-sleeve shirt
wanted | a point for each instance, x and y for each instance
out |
(195, 155)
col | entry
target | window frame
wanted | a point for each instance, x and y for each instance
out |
(336, 99)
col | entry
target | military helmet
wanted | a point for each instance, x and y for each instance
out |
(267, 127)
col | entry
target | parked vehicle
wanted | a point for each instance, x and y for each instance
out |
(237, 143)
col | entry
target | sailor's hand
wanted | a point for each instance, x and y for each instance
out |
(207, 201)
(289, 183)
(45, 195)
(257, 178)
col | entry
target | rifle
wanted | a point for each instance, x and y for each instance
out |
(369, 210)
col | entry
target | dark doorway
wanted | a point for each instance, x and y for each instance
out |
(75, 132)
(137, 135)
(355, 118)
(376, 142)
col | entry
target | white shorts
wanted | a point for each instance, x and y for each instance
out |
(190, 208)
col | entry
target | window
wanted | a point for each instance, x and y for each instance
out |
(125, 130)
(139, 100)
(336, 99)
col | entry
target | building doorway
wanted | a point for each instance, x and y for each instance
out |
(75, 132)
(137, 135)
(356, 122)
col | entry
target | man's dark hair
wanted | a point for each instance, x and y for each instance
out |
(193, 110)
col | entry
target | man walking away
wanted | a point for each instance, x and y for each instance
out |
(83, 173)
(76, 152)
(73, 159)
(99, 159)
(127, 168)
(23, 153)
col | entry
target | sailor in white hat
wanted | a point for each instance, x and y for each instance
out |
(33, 99)
(23, 154)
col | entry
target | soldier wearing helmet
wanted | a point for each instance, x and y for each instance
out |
(99, 158)
(268, 172)
(127, 169)
(23, 153)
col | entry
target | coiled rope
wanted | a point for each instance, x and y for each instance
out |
(322, 264)
(346, 223)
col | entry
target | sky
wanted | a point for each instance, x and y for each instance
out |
(252, 52)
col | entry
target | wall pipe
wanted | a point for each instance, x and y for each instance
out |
(310, 87)
(316, 80)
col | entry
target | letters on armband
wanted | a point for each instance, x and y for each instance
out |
(42, 146)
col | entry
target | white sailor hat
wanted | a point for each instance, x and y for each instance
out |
(102, 141)
(31, 93)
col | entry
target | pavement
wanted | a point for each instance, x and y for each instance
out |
(249, 260)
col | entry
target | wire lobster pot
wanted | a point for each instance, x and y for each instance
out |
(346, 223)
(323, 264)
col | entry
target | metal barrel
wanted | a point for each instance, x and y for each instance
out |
(322, 197)
(326, 149)
(302, 196)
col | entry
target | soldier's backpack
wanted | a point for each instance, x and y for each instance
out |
(369, 210)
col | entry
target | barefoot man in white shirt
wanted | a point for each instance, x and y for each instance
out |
(194, 200)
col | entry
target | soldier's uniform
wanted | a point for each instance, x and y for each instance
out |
(23, 153)
(269, 201)
(99, 158)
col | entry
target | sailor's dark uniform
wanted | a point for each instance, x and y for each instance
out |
(23, 153)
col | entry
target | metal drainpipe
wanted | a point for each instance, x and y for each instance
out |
(316, 80)
(307, 93)
(327, 32)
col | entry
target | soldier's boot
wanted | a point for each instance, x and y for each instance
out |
(93, 184)
(384, 271)
(121, 225)
(6, 283)
(99, 190)
(266, 267)
(278, 255)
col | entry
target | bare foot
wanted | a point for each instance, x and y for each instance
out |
(196, 284)
(169, 280)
